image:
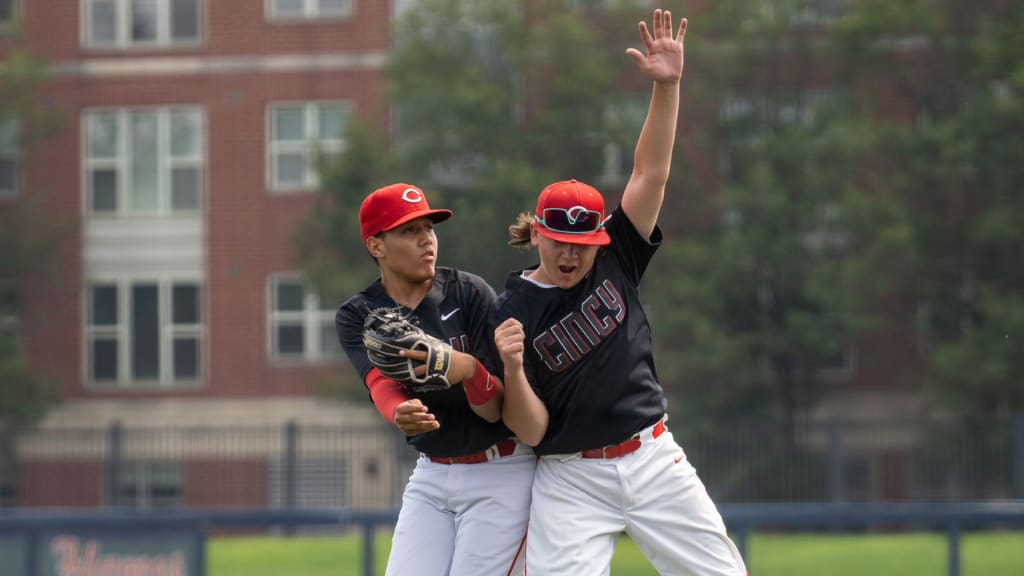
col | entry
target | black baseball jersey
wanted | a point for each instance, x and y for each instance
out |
(455, 310)
(588, 348)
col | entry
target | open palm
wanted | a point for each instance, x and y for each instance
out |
(664, 59)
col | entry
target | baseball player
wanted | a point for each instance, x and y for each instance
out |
(580, 382)
(464, 509)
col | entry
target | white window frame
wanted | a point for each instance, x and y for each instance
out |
(122, 333)
(311, 318)
(144, 476)
(122, 165)
(626, 114)
(122, 23)
(12, 153)
(802, 110)
(309, 148)
(841, 373)
(310, 11)
(822, 12)
(586, 5)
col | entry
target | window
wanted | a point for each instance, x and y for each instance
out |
(148, 485)
(746, 121)
(837, 368)
(623, 120)
(298, 132)
(8, 13)
(309, 9)
(609, 4)
(8, 494)
(821, 11)
(8, 471)
(299, 328)
(143, 23)
(144, 161)
(145, 333)
(10, 158)
(829, 235)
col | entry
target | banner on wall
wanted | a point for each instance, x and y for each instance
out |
(105, 553)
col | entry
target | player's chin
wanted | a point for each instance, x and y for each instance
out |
(567, 283)
(425, 271)
(567, 277)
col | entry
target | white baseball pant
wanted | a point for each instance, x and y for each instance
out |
(580, 506)
(464, 519)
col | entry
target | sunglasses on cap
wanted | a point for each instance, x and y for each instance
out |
(575, 220)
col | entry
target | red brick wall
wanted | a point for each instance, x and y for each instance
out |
(51, 484)
(230, 28)
(225, 484)
(247, 228)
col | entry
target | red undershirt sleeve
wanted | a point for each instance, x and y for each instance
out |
(386, 393)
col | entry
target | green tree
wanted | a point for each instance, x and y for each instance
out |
(786, 262)
(27, 238)
(491, 101)
(495, 99)
(956, 164)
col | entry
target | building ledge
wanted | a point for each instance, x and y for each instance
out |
(170, 413)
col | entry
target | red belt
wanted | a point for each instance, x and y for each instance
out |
(500, 450)
(622, 448)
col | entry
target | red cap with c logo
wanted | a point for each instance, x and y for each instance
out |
(394, 205)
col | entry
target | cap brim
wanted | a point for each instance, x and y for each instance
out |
(599, 238)
(439, 215)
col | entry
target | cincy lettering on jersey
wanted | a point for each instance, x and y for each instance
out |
(460, 343)
(565, 343)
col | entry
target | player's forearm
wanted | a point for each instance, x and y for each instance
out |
(385, 393)
(653, 156)
(523, 412)
(484, 391)
(490, 410)
(645, 190)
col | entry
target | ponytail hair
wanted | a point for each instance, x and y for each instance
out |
(519, 231)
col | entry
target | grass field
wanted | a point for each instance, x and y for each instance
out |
(982, 554)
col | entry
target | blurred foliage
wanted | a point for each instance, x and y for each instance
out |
(844, 168)
(28, 237)
(956, 164)
(479, 104)
(758, 310)
(327, 243)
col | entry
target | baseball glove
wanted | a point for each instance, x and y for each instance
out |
(386, 332)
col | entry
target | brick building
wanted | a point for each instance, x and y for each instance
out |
(182, 163)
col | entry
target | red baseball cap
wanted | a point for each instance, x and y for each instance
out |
(572, 212)
(394, 205)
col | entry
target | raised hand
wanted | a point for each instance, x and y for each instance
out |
(664, 59)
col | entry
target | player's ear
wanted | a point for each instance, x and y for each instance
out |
(534, 235)
(375, 246)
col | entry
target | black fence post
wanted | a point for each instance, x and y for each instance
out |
(953, 554)
(836, 461)
(291, 440)
(369, 530)
(1017, 455)
(31, 543)
(115, 440)
(291, 472)
(741, 537)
